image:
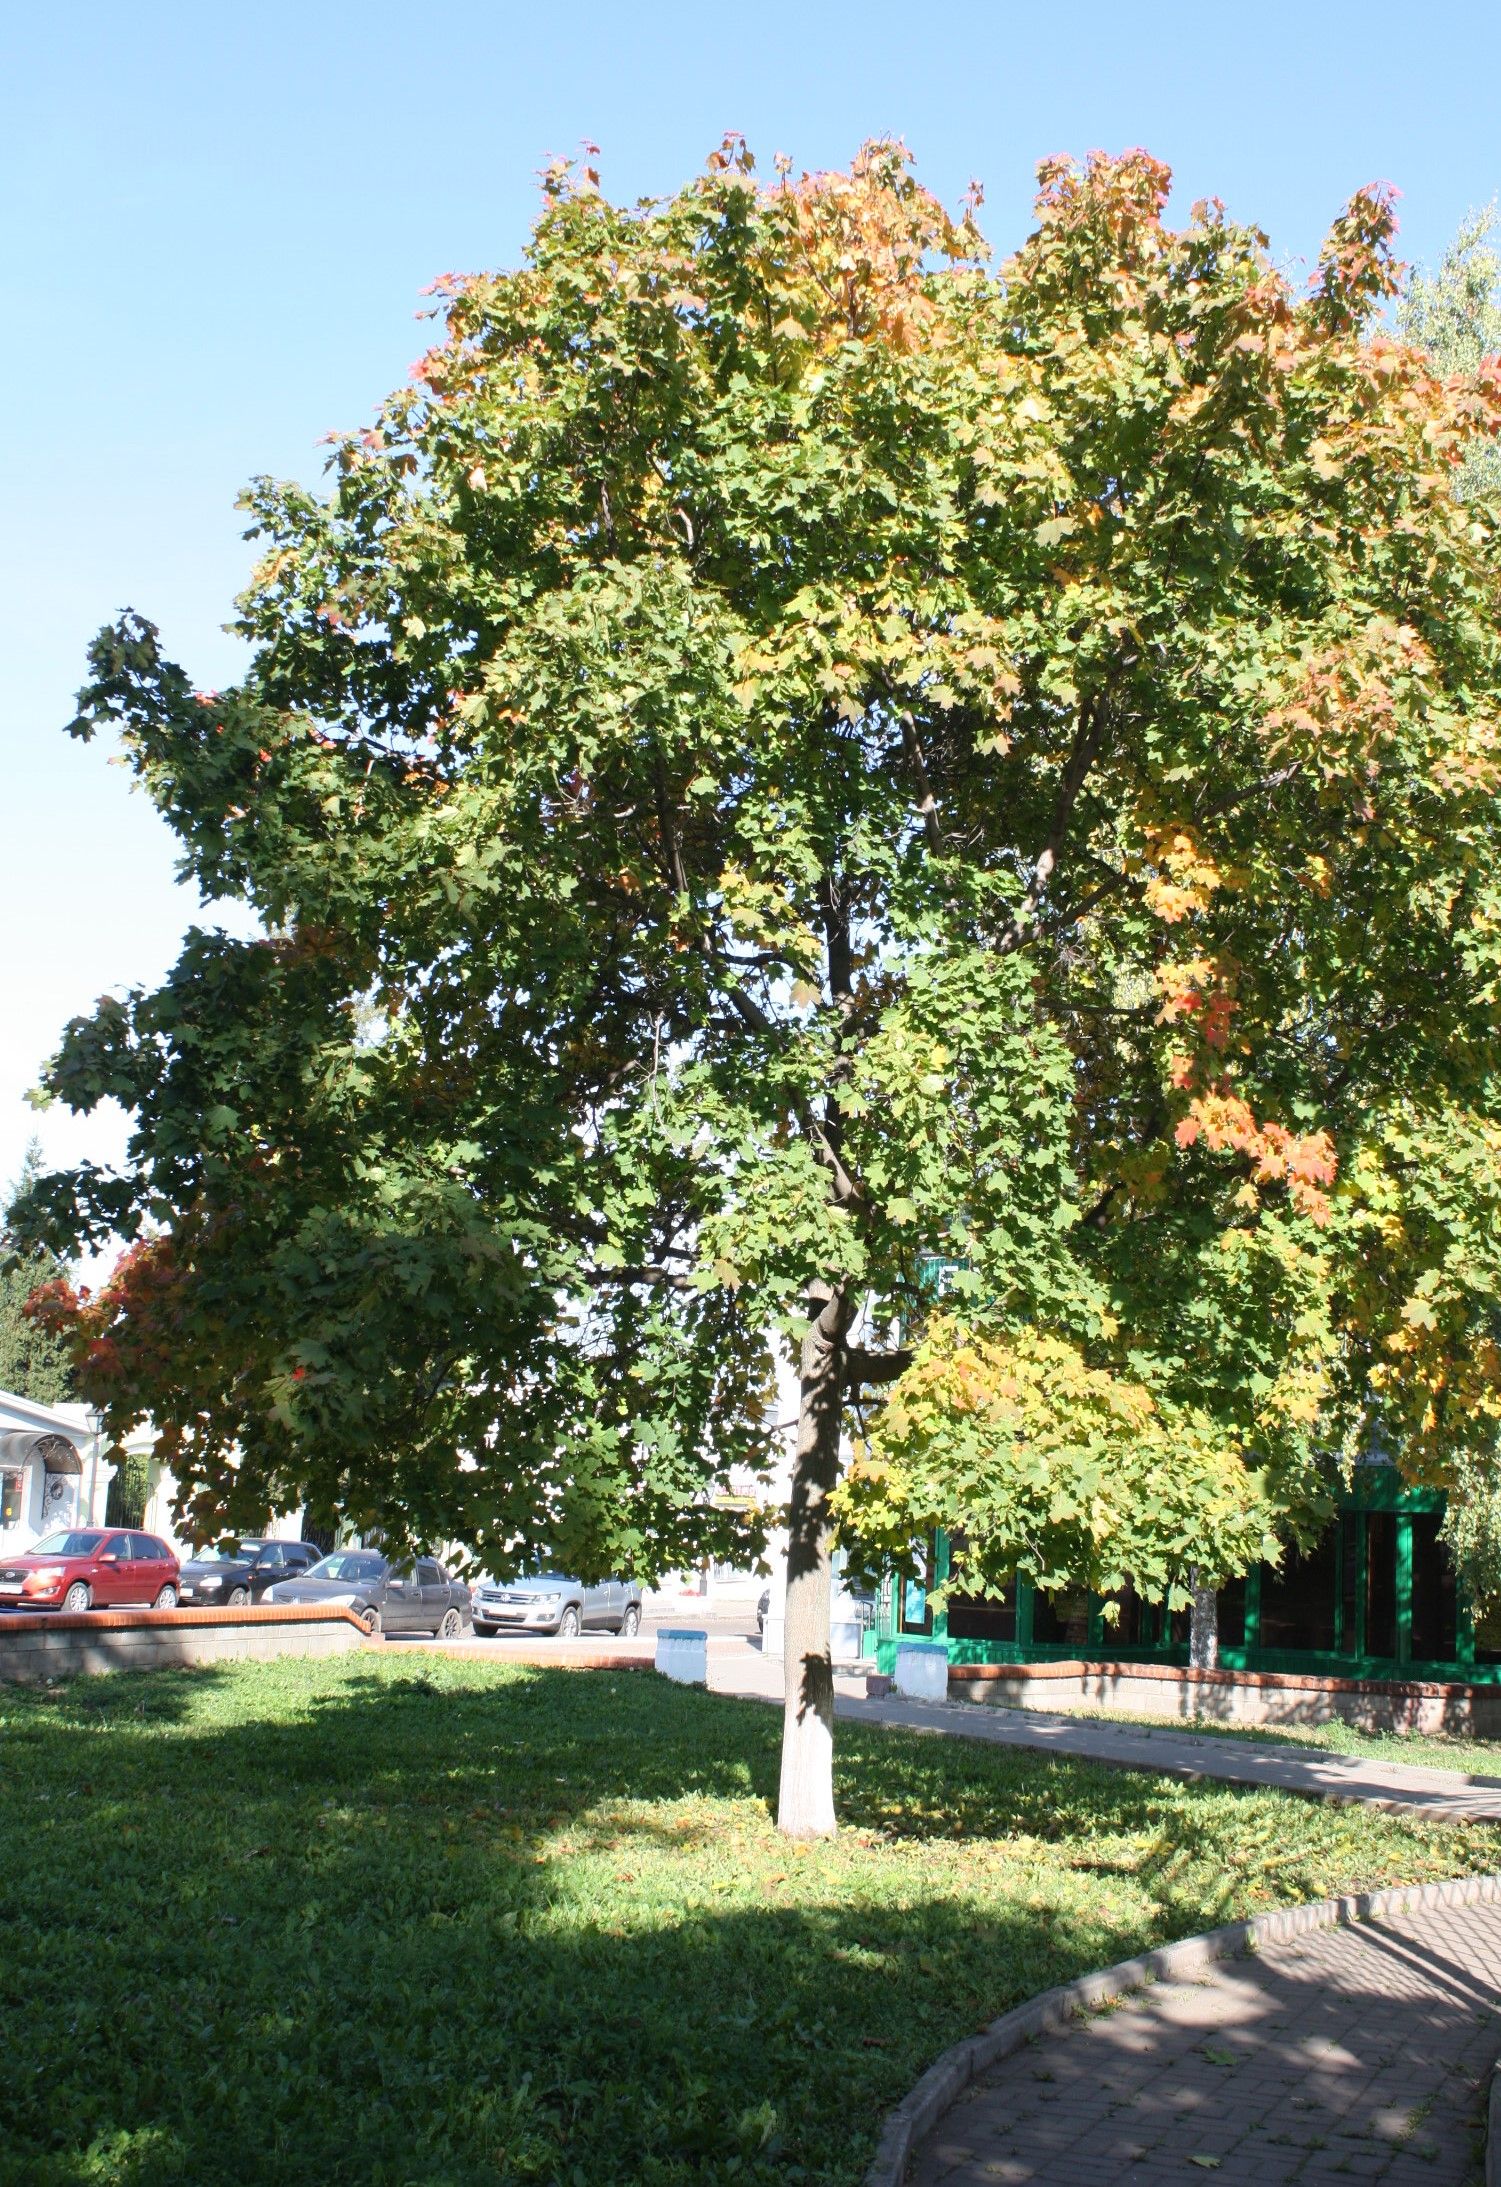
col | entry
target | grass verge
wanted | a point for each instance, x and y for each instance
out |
(1478, 1760)
(396, 1918)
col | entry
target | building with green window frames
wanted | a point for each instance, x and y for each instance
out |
(1374, 1598)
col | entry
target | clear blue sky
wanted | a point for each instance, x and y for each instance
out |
(218, 222)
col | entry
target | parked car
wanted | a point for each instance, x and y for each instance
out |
(237, 1573)
(546, 1602)
(385, 1597)
(90, 1568)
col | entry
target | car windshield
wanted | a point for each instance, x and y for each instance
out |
(65, 1545)
(225, 1552)
(349, 1564)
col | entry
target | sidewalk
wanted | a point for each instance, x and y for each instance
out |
(1397, 1787)
(1357, 2053)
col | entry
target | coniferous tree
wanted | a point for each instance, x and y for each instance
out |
(34, 1359)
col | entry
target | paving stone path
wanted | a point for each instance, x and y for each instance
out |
(1353, 2053)
(1358, 2053)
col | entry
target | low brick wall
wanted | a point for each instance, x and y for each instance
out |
(1233, 1697)
(41, 1645)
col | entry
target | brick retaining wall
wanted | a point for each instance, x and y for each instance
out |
(1234, 1697)
(43, 1645)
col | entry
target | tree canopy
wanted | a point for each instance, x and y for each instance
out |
(785, 753)
(35, 1361)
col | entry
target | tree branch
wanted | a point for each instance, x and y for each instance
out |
(873, 1368)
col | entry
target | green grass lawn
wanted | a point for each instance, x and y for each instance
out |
(413, 1921)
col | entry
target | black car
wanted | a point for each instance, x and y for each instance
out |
(239, 1572)
(385, 1597)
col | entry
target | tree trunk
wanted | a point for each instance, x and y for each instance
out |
(805, 1807)
(1203, 1626)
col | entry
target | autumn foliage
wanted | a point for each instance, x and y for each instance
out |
(792, 755)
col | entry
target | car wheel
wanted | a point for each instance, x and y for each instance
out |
(568, 1623)
(78, 1596)
(485, 1632)
(238, 1597)
(630, 1624)
(369, 1617)
(165, 1598)
(451, 1626)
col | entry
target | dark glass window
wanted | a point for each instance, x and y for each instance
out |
(1230, 1613)
(1435, 1605)
(1140, 1623)
(1298, 1596)
(428, 1574)
(1381, 1583)
(1061, 1619)
(983, 1617)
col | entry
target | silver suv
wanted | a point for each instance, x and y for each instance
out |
(548, 1603)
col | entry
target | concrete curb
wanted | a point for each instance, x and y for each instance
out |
(946, 2080)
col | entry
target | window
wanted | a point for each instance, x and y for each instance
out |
(916, 1615)
(350, 1564)
(428, 1574)
(118, 1546)
(1435, 1607)
(1062, 1618)
(10, 1498)
(145, 1548)
(270, 1556)
(1298, 1597)
(983, 1617)
(1230, 1613)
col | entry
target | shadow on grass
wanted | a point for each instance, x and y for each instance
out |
(438, 1923)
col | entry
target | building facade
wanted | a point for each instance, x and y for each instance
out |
(1376, 1597)
(53, 1471)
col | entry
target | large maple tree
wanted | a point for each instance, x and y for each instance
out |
(788, 754)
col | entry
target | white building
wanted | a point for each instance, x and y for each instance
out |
(53, 1471)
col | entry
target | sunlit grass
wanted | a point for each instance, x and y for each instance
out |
(1471, 1757)
(393, 1919)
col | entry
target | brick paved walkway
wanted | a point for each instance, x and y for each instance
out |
(1356, 2053)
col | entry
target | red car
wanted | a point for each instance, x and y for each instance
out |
(90, 1567)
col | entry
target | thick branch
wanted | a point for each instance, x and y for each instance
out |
(870, 1369)
(1088, 736)
(927, 803)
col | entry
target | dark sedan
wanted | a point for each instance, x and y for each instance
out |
(385, 1597)
(239, 1572)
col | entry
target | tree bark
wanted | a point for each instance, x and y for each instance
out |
(805, 1805)
(1203, 1626)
